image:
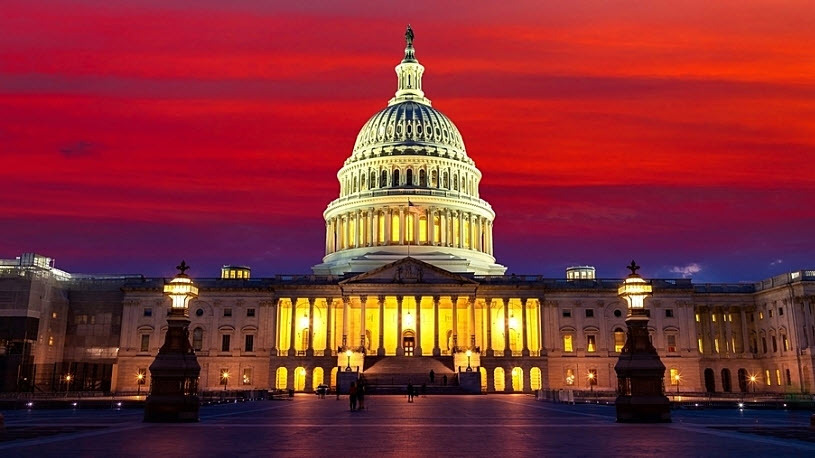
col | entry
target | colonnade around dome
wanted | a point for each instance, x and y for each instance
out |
(405, 225)
(420, 174)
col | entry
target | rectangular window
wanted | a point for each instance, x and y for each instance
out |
(669, 313)
(225, 342)
(50, 341)
(145, 342)
(699, 345)
(767, 378)
(716, 345)
(770, 312)
(780, 311)
(671, 338)
(785, 344)
(713, 317)
(148, 311)
(789, 378)
(250, 312)
(764, 344)
(778, 377)
(697, 318)
(567, 313)
(760, 315)
(619, 341)
(569, 377)
(567, 343)
(53, 314)
(775, 345)
(752, 318)
(250, 342)
(246, 378)
(228, 311)
(590, 344)
(589, 313)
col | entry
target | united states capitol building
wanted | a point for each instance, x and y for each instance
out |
(408, 284)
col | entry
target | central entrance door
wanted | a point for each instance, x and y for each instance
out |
(408, 343)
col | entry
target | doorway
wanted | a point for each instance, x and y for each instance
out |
(409, 343)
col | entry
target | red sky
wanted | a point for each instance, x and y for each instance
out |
(134, 134)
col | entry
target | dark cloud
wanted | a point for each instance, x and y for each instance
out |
(81, 148)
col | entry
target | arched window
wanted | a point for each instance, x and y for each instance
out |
(300, 379)
(356, 188)
(373, 180)
(727, 386)
(316, 378)
(422, 178)
(455, 182)
(499, 379)
(409, 177)
(434, 179)
(619, 339)
(362, 182)
(742, 374)
(197, 339)
(517, 379)
(281, 377)
(710, 381)
(444, 181)
(383, 181)
(395, 178)
(535, 378)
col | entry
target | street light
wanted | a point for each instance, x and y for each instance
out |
(348, 354)
(591, 381)
(225, 378)
(68, 378)
(139, 382)
(676, 380)
(753, 381)
(469, 368)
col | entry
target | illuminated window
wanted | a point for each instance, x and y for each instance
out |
(567, 343)
(409, 228)
(778, 377)
(395, 228)
(619, 340)
(767, 377)
(671, 341)
(50, 341)
(716, 345)
(53, 314)
(699, 345)
(197, 339)
(145, 342)
(590, 344)
(569, 377)
(760, 315)
(423, 229)
(713, 317)
(785, 344)
(697, 318)
(225, 338)
(246, 377)
(249, 343)
(674, 376)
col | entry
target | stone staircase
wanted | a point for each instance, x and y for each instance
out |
(391, 374)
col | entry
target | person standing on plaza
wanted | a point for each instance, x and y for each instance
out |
(361, 395)
(432, 376)
(352, 396)
(410, 392)
(444, 380)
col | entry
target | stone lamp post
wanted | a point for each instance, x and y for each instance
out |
(174, 373)
(640, 373)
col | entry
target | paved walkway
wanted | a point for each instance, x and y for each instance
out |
(434, 426)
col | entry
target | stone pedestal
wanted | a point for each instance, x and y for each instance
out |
(174, 376)
(470, 382)
(641, 396)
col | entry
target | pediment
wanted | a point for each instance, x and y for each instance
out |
(409, 271)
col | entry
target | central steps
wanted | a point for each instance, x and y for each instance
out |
(397, 371)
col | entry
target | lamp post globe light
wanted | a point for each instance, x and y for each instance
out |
(640, 372)
(348, 354)
(174, 373)
(469, 354)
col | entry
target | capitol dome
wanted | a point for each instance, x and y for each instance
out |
(409, 189)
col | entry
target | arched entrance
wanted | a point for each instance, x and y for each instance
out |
(742, 374)
(317, 378)
(409, 342)
(281, 378)
(483, 378)
(535, 378)
(333, 377)
(727, 386)
(300, 379)
(499, 380)
(517, 379)
(710, 381)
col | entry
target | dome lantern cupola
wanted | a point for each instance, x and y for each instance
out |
(409, 72)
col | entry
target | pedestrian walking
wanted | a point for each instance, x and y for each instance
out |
(352, 396)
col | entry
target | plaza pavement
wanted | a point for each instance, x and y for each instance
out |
(494, 425)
